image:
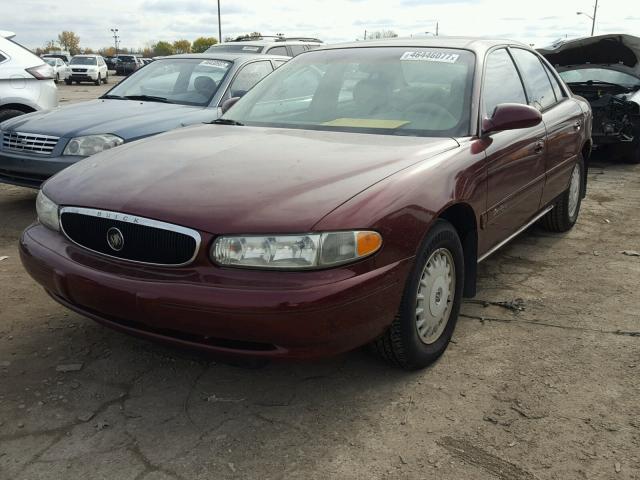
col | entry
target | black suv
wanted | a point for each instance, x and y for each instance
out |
(128, 64)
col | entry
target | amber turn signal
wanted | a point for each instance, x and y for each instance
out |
(368, 243)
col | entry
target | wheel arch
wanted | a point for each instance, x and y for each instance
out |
(17, 106)
(463, 218)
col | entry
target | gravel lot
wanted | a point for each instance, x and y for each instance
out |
(546, 387)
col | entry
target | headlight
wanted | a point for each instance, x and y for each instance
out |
(91, 144)
(294, 251)
(47, 212)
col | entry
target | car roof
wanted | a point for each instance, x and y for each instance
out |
(228, 56)
(88, 55)
(474, 44)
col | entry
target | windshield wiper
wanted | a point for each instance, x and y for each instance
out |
(116, 97)
(228, 121)
(598, 82)
(148, 98)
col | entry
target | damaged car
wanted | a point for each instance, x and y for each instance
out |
(605, 70)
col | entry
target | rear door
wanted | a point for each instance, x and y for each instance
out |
(515, 158)
(562, 117)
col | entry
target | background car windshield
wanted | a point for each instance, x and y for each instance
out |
(83, 61)
(184, 81)
(50, 61)
(126, 58)
(235, 47)
(599, 74)
(391, 90)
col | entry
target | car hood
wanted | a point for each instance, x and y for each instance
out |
(129, 119)
(225, 179)
(618, 52)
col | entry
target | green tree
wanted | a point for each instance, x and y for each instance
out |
(201, 44)
(182, 46)
(69, 41)
(162, 49)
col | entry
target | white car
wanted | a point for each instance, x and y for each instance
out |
(26, 82)
(88, 68)
(61, 70)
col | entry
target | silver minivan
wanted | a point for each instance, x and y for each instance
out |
(26, 81)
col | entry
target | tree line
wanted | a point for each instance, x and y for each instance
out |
(70, 41)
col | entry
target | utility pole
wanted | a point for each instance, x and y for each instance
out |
(365, 34)
(115, 38)
(437, 28)
(219, 25)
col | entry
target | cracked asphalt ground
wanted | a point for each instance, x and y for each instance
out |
(544, 386)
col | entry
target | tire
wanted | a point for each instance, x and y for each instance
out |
(9, 113)
(57, 78)
(106, 79)
(407, 344)
(68, 82)
(98, 80)
(633, 157)
(566, 210)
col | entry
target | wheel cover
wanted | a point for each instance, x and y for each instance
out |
(574, 191)
(436, 292)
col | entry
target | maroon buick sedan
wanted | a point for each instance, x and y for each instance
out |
(345, 200)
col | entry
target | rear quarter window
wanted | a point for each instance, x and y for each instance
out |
(2, 57)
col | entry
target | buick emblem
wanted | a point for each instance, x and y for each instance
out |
(115, 239)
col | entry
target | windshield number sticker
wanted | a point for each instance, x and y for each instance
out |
(442, 57)
(214, 63)
(251, 49)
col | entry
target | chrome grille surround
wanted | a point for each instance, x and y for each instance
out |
(29, 142)
(132, 220)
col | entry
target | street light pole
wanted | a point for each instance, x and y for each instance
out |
(219, 25)
(115, 38)
(593, 18)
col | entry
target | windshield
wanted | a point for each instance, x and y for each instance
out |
(235, 47)
(599, 75)
(185, 81)
(83, 61)
(50, 61)
(389, 90)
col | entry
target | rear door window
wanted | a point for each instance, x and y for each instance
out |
(536, 80)
(502, 83)
(248, 76)
(281, 50)
(296, 49)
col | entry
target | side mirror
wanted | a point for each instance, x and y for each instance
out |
(511, 116)
(228, 103)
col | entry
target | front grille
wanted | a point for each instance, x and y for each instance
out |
(29, 142)
(79, 70)
(128, 237)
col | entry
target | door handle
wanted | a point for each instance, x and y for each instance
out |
(539, 147)
(577, 125)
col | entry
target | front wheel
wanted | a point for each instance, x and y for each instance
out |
(57, 78)
(98, 80)
(565, 212)
(429, 309)
(106, 79)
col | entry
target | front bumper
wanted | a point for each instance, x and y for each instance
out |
(31, 170)
(228, 311)
(83, 77)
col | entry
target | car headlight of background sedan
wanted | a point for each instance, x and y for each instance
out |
(305, 251)
(47, 212)
(91, 144)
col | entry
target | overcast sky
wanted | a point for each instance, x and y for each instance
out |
(142, 22)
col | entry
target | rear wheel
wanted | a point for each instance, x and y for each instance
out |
(565, 212)
(429, 309)
(106, 79)
(57, 78)
(9, 113)
(98, 80)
